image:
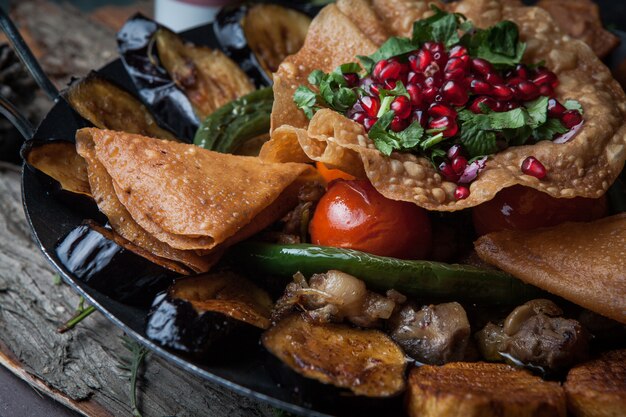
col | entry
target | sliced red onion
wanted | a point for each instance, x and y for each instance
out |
(566, 137)
(472, 170)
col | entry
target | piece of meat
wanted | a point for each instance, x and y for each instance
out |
(434, 334)
(581, 20)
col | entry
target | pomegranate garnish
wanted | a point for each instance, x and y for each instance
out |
(375, 88)
(456, 63)
(546, 78)
(420, 116)
(378, 68)
(522, 71)
(369, 122)
(458, 51)
(461, 192)
(555, 109)
(508, 105)
(447, 172)
(457, 74)
(433, 81)
(391, 71)
(475, 107)
(481, 87)
(448, 125)
(459, 164)
(352, 79)
(531, 166)
(454, 151)
(571, 118)
(481, 66)
(454, 93)
(493, 78)
(398, 124)
(441, 110)
(546, 90)
(430, 93)
(526, 91)
(502, 92)
(401, 106)
(370, 105)
(421, 61)
(358, 117)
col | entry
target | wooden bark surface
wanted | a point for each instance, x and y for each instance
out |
(80, 367)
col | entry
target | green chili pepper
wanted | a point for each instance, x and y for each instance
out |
(424, 279)
(227, 128)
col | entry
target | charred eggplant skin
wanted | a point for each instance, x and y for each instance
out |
(111, 269)
(169, 105)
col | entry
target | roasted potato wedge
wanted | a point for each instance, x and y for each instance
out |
(367, 362)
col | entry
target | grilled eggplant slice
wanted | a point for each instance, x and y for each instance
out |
(170, 105)
(197, 311)
(108, 106)
(208, 77)
(367, 362)
(108, 263)
(274, 32)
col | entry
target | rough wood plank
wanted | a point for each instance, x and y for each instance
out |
(81, 365)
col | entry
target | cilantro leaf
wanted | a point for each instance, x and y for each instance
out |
(549, 130)
(387, 141)
(476, 141)
(440, 27)
(315, 77)
(498, 44)
(573, 105)
(537, 111)
(305, 99)
(350, 67)
(394, 46)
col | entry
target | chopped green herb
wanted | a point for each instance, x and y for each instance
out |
(499, 44)
(394, 46)
(387, 141)
(573, 105)
(441, 27)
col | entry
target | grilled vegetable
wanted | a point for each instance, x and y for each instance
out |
(425, 279)
(234, 124)
(59, 160)
(115, 267)
(170, 106)
(261, 36)
(273, 33)
(367, 362)
(207, 77)
(108, 106)
(197, 311)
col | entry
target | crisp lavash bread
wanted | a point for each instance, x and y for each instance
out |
(585, 166)
(181, 202)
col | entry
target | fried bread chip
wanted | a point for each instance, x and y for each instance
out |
(481, 389)
(585, 166)
(598, 388)
(191, 198)
(581, 262)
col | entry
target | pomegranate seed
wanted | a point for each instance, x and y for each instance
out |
(475, 107)
(390, 84)
(420, 117)
(433, 81)
(546, 90)
(454, 93)
(502, 92)
(398, 124)
(369, 122)
(370, 105)
(352, 79)
(555, 109)
(514, 81)
(526, 91)
(481, 87)
(401, 106)
(456, 74)
(378, 68)
(459, 164)
(429, 94)
(507, 106)
(522, 71)
(546, 78)
(461, 192)
(375, 89)
(421, 61)
(531, 166)
(435, 47)
(415, 95)
(571, 118)
(481, 66)
(493, 78)
(449, 125)
(458, 51)
(358, 117)
(415, 77)
(441, 58)
(440, 110)
(447, 172)
(454, 151)
(456, 63)
(391, 71)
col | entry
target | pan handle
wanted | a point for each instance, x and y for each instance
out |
(26, 56)
(17, 119)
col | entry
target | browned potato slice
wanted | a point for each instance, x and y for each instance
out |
(482, 389)
(367, 362)
(228, 294)
(598, 388)
(108, 106)
(207, 77)
(273, 33)
(60, 160)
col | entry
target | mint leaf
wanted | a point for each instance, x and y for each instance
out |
(550, 129)
(573, 105)
(305, 99)
(394, 46)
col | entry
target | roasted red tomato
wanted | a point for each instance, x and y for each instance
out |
(352, 214)
(523, 208)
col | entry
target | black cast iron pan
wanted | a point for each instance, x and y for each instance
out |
(250, 370)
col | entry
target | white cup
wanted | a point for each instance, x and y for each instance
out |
(179, 15)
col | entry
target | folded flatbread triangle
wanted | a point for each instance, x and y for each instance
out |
(182, 199)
